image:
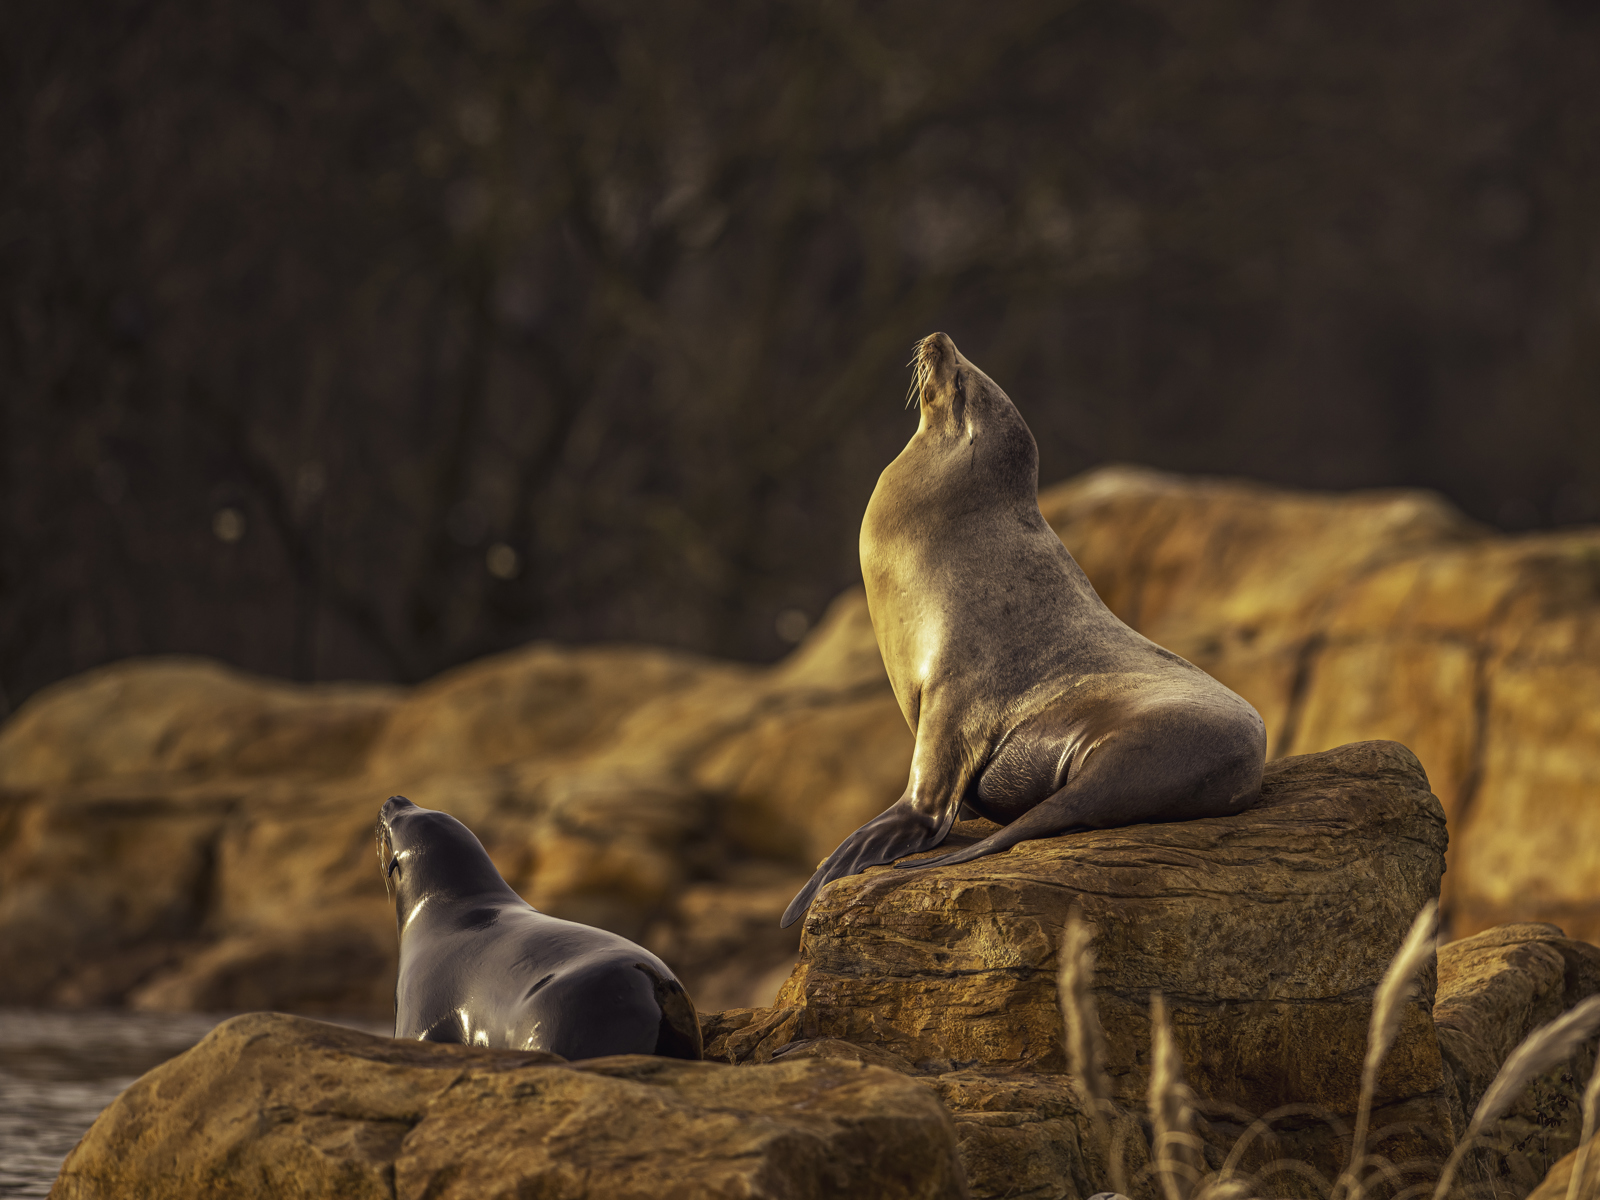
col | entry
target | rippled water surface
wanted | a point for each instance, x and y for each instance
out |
(59, 1069)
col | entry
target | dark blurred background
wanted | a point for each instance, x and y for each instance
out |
(355, 339)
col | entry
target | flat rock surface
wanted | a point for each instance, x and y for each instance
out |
(1266, 931)
(281, 1107)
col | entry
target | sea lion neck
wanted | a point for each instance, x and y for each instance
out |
(971, 448)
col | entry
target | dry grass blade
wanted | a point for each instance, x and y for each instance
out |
(1591, 1097)
(1222, 1188)
(1293, 1166)
(1398, 985)
(1086, 1053)
(1540, 1050)
(1075, 994)
(1171, 1108)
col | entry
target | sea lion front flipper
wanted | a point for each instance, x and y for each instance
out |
(897, 831)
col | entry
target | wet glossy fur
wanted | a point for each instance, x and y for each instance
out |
(1030, 701)
(479, 965)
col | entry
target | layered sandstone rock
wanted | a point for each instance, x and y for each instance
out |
(1556, 1184)
(1266, 931)
(1496, 988)
(1385, 615)
(280, 1107)
(176, 834)
(641, 790)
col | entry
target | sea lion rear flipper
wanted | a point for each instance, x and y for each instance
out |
(897, 831)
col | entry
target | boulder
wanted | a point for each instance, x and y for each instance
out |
(1555, 1185)
(621, 786)
(1384, 614)
(1266, 931)
(171, 830)
(179, 718)
(281, 1107)
(1495, 988)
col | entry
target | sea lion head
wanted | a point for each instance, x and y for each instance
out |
(970, 437)
(427, 855)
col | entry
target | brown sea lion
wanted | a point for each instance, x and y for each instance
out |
(1031, 702)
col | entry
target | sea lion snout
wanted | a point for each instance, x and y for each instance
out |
(936, 363)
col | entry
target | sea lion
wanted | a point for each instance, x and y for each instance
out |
(1032, 704)
(481, 966)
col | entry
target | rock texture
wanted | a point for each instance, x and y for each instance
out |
(1385, 615)
(661, 795)
(280, 1107)
(1554, 1186)
(175, 834)
(1266, 931)
(1496, 988)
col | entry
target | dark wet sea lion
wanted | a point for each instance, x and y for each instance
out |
(1030, 701)
(481, 966)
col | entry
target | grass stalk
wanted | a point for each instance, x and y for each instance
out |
(1171, 1109)
(1580, 1163)
(1389, 1002)
(1086, 1050)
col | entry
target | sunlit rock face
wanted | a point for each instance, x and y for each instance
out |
(175, 834)
(178, 835)
(270, 1105)
(1267, 932)
(1496, 988)
(1385, 615)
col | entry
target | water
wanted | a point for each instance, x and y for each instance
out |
(58, 1070)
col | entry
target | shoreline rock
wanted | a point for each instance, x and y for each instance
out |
(174, 833)
(280, 1107)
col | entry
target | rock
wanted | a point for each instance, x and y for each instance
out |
(188, 718)
(1267, 932)
(167, 823)
(278, 1106)
(167, 877)
(101, 884)
(1556, 1183)
(1496, 988)
(334, 968)
(1384, 615)
(1025, 1137)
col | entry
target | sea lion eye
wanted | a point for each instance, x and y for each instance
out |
(394, 865)
(958, 408)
